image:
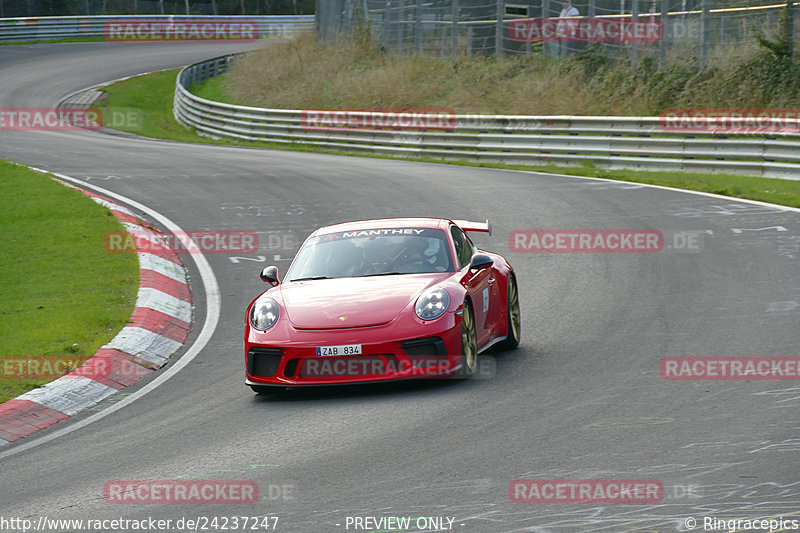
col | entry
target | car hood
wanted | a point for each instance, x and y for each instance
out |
(352, 302)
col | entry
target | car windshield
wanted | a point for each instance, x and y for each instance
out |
(373, 252)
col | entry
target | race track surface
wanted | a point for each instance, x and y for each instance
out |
(581, 398)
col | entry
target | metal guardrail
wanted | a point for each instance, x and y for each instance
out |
(36, 28)
(609, 142)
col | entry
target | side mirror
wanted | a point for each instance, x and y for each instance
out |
(270, 275)
(480, 261)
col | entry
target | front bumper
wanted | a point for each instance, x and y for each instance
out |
(289, 359)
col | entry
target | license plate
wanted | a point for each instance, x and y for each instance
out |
(342, 349)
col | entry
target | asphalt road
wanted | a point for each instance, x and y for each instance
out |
(581, 398)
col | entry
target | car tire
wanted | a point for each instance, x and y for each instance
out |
(469, 343)
(513, 316)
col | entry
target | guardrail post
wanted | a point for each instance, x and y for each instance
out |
(498, 34)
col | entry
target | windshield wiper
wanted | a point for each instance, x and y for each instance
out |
(382, 274)
(311, 278)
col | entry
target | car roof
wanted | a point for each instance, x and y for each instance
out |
(388, 223)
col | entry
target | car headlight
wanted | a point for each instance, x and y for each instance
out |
(432, 304)
(264, 314)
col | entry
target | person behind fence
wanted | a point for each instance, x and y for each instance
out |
(567, 29)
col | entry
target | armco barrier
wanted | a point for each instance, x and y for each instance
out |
(609, 142)
(36, 28)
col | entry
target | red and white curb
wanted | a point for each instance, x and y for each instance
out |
(158, 327)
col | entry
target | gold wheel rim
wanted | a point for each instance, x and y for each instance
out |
(468, 340)
(513, 308)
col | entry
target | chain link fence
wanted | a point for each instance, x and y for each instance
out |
(42, 8)
(623, 29)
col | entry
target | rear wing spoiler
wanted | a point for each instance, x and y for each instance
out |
(466, 225)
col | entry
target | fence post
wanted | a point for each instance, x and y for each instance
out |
(418, 26)
(387, 9)
(705, 19)
(634, 20)
(346, 18)
(498, 34)
(662, 52)
(401, 26)
(789, 28)
(547, 49)
(318, 16)
(454, 30)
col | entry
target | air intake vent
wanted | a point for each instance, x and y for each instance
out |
(263, 361)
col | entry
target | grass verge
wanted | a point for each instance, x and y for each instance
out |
(303, 73)
(150, 98)
(61, 293)
(58, 41)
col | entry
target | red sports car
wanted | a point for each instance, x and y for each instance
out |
(381, 300)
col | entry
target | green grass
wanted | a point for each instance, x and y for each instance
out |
(61, 293)
(58, 41)
(152, 95)
(214, 89)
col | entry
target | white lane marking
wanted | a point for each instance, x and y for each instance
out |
(776, 228)
(788, 305)
(213, 305)
(662, 187)
(258, 259)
